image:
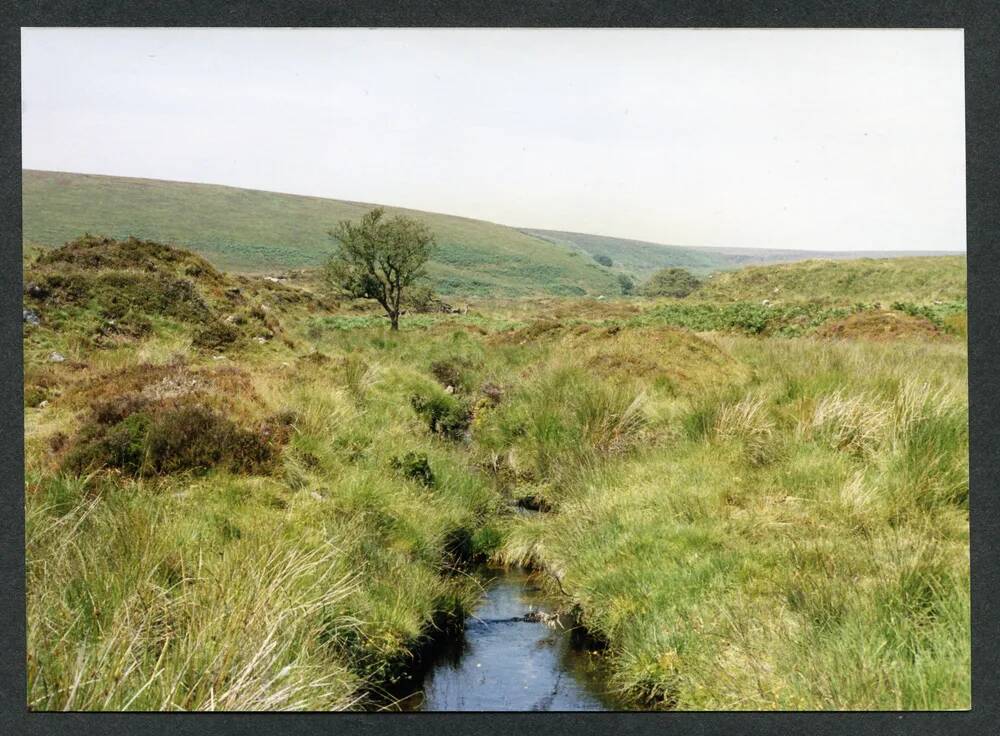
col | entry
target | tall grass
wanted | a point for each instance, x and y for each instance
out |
(749, 522)
(802, 545)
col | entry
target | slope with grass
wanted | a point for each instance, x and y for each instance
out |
(255, 231)
(643, 258)
(915, 279)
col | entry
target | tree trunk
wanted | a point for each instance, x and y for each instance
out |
(394, 321)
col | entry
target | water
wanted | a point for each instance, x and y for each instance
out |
(504, 662)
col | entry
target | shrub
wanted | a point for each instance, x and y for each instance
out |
(626, 283)
(415, 466)
(445, 414)
(216, 335)
(146, 440)
(604, 260)
(675, 282)
(451, 372)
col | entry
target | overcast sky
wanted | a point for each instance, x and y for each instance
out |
(789, 139)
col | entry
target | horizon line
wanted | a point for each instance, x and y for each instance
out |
(519, 228)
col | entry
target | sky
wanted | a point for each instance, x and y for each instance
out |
(816, 139)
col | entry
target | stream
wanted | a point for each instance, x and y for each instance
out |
(508, 660)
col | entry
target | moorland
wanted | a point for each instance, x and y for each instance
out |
(244, 491)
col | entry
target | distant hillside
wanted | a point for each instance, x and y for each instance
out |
(918, 279)
(642, 258)
(254, 231)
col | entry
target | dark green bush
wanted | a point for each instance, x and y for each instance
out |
(445, 414)
(452, 372)
(675, 282)
(216, 335)
(415, 466)
(604, 260)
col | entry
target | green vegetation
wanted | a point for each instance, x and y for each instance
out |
(253, 232)
(753, 506)
(380, 259)
(642, 258)
(675, 282)
(925, 279)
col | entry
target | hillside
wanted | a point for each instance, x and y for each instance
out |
(254, 231)
(642, 258)
(919, 279)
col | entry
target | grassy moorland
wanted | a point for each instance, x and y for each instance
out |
(243, 494)
(254, 231)
(642, 259)
(923, 279)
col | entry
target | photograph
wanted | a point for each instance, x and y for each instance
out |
(495, 369)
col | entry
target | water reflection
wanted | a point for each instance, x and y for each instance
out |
(509, 660)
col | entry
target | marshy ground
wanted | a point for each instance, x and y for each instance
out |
(241, 494)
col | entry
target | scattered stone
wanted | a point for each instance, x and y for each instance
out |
(43, 403)
(315, 495)
(55, 357)
(218, 357)
(261, 340)
(449, 389)
(766, 302)
(30, 316)
(272, 279)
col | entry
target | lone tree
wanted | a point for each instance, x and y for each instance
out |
(378, 258)
(626, 283)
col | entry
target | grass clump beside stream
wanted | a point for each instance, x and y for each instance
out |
(800, 542)
(770, 518)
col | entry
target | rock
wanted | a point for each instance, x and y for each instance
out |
(30, 316)
(218, 357)
(43, 403)
(261, 340)
(449, 389)
(55, 357)
(766, 302)
(272, 279)
(315, 495)
(37, 292)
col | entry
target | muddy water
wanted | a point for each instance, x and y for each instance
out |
(508, 660)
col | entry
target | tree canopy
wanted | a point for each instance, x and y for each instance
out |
(675, 282)
(379, 258)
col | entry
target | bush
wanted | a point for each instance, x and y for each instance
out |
(626, 284)
(604, 260)
(415, 466)
(451, 372)
(216, 335)
(675, 282)
(445, 414)
(153, 440)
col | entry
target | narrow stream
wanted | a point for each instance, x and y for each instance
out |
(508, 659)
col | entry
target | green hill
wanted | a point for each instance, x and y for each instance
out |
(642, 258)
(636, 257)
(918, 279)
(254, 231)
